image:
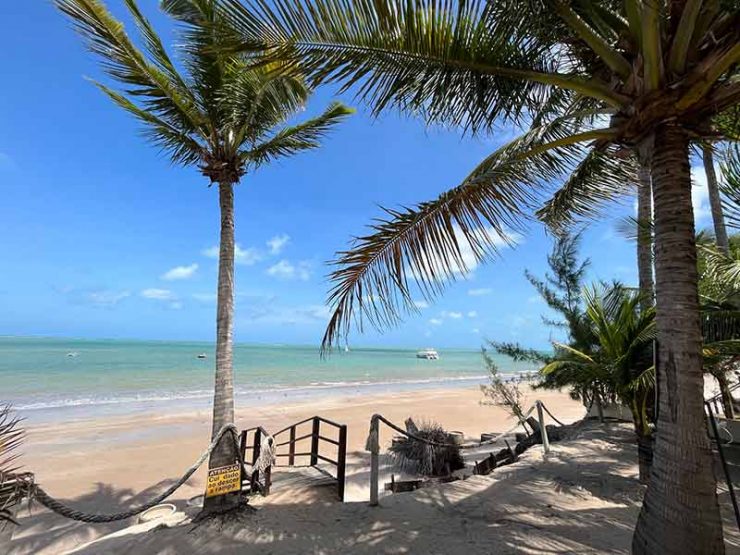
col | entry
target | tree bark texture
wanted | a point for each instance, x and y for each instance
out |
(680, 512)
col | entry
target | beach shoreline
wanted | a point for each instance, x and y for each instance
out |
(139, 450)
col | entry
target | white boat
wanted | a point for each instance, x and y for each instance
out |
(428, 354)
(73, 354)
(202, 355)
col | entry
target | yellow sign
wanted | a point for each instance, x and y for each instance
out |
(223, 480)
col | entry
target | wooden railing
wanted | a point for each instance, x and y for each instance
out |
(318, 439)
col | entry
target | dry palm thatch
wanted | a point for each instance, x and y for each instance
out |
(421, 458)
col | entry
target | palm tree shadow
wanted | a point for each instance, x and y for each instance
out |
(42, 531)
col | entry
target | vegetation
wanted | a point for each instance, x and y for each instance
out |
(223, 115)
(658, 73)
(14, 487)
(618, 368)
(502, 393)
(427, 460)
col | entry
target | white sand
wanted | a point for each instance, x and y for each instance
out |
(583, 498)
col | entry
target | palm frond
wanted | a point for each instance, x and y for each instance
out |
(11, 490)
(730, 185)
(603, 176)
(180, 146)
(304, 136)
(449, 62)
(156, 84)
(424, 244)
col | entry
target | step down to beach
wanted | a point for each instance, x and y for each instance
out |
(300, 484)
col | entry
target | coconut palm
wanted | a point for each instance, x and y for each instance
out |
(659, 70)
(219, 114)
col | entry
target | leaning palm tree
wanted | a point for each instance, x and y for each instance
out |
(658, 71)
(220, 115)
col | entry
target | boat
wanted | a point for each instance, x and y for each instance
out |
(73, 354)
(428, 354)
(202, 355)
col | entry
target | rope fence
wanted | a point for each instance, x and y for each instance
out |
(66, 511)
(373, 441)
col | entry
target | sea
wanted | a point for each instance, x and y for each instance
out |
(48, 379)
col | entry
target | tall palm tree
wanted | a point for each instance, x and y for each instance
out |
(220, 114)
(715, 201)
(659, 71)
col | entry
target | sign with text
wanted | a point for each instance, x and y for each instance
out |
(223, 480)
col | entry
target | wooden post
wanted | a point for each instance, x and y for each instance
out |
(374, 462)
(543, 429)
(315, 441)
(341, 460)
(291, 447)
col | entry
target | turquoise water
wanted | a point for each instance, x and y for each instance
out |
(116, 376)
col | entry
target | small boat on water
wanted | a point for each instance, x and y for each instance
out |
(73, 354)
(202, 355)
(428, 354)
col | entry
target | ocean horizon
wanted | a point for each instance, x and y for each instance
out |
(46, 378)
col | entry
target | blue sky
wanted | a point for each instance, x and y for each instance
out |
(101, 237)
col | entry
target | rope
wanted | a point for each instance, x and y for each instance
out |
(64, 510)
(551, 415)
(372, 440)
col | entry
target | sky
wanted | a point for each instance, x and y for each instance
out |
(101, 237)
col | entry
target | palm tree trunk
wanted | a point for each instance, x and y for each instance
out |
(223, 393)
(644, 237)
(724, 387)
(680, 512)
(718, 218)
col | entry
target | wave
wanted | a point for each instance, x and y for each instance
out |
(276, 390)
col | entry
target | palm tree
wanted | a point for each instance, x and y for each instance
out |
(659, 71)
(220, 115)
(618, 367)
(715, 201)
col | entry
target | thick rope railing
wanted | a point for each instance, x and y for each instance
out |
(408, 434)
(373, 440)
(66, 511)
(551, 414)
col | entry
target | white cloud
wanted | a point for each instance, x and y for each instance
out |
(287, 270)
(277, 243)
(158, 294)
(205, 297)
(245, 257)
(468, 262)
(177, 305)
(421, 304)
(475, 330)
(268, 313)
(453, 315)
(700, 194)
(480, 292)
(472, 314)
(535, 299)
(435, 322)
(180, 272)
(106, 298)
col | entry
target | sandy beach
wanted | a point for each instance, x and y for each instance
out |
(584, 497)
(106, 463)
(69, 459)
